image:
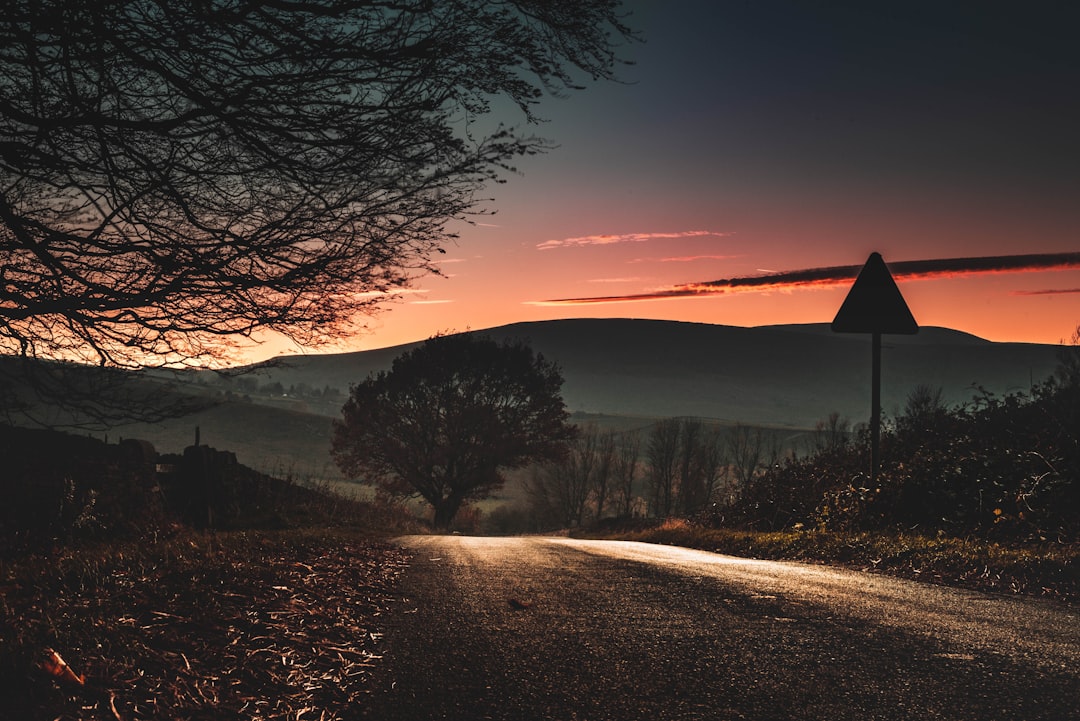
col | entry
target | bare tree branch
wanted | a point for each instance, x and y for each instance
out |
(176, 175)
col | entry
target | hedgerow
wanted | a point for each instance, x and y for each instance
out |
(1002, 467)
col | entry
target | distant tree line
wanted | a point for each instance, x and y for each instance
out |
(247, 385)
(675, 466)
(594, 476)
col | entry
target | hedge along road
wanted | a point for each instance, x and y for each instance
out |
(536, 628)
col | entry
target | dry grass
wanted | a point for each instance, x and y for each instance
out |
(236, 625)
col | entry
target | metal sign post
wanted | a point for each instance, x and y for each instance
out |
(874, 305)
(875, 405)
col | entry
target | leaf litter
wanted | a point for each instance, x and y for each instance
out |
(256, 626)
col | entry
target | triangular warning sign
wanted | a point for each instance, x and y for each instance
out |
(874, 304)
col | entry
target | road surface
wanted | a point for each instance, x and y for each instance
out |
(552, 628)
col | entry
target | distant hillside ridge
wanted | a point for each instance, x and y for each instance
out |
(784, 375)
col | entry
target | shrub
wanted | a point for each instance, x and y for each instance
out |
(1003, 467)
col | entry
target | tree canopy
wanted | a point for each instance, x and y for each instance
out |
(449, 418)
(176, 175)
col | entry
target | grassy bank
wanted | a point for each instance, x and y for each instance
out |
(1049, 570)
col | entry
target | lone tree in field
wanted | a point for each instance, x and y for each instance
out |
(178, 175)
(449, 418)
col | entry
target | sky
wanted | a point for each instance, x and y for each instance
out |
(753, 141)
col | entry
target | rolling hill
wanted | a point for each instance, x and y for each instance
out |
(776, 375)
(780, 376)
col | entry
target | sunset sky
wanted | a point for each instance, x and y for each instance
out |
(768, 137)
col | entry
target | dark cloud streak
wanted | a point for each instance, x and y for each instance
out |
(836, 275)
(1061, 291)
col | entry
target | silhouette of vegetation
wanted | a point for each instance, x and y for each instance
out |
(688, 463)
(576, 486)
(449, 418)
(829, 434)
(625, 471)
(66, 489)
(662, 454)
(1003, 467)
(178, 176)
(617, 477)
(681, 465)
(750, 449)
(1068, 369)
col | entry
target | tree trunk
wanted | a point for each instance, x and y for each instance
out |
(445, 510)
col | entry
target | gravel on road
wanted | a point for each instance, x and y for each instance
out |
(533, 628)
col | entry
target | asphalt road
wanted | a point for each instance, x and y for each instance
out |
(534, 628)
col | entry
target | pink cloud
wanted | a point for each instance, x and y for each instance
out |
(682, 259)
(611, 239)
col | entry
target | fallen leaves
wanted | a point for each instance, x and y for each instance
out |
(286, 629)
(54, 665)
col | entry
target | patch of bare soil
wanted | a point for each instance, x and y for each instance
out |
(256, 626)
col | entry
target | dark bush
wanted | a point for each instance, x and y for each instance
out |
(59, 486)
(1004, 467)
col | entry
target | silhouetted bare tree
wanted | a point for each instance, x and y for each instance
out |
(565, 489)
(605, 469)
(689, 490)
(177, 175)
(713, 469)
(662, 453)
(449, 417)
(746, 449)
(830, 434)
(560, 489)
(687, 462)
(1068, 369)
(625, 469)
(924, 410)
